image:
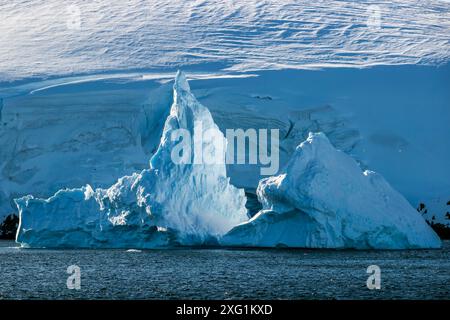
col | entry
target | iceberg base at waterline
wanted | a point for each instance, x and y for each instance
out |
(322, 199)
(168, 204)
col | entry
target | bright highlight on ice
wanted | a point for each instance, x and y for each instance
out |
(251, 147)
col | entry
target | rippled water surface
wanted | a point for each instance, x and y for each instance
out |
(223, 274)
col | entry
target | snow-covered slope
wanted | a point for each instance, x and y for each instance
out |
(48, 38)
(187, 202)
(322, 199)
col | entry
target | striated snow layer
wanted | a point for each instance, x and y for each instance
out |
(170, 203)
(322, 199)
(48, 38)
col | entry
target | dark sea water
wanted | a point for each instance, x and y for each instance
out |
(223, 274)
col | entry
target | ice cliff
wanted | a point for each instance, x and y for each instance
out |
(188, 202)
(322, 199)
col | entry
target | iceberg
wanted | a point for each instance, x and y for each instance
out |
(322, 199)
(189, 202)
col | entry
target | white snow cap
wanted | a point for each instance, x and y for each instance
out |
(322, 199)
